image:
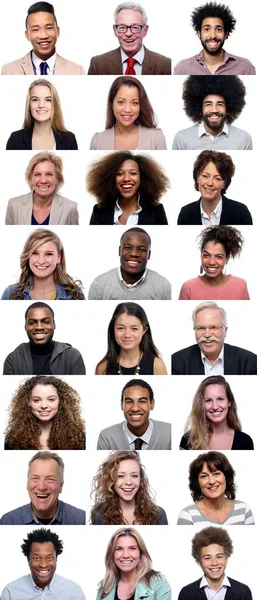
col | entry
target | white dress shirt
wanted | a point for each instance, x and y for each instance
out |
(131, 437)
(214, 218)
(36, 61)
(139, 57)
(212, 594)
(217, 368)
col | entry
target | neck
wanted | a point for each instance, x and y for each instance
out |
(214, 281)
(128, 203)
(39, 202)
(209, 206)
(45, 284)
(45, 515)
(120, 129)
(215, 583)
(44, 128)
(220, 428)
(130, 357)
(213, 59)
(213, 504)
(212, 357)
(45, 58)
(131, 277)
(139, 431)
(213, 132)
(127, 505)
(127, 578)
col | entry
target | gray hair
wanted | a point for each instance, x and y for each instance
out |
(131, 6)
(212, 305)
(46, 455)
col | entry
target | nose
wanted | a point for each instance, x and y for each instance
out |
(41, 484)
(43, 562)
(215, 404)
(214, 561)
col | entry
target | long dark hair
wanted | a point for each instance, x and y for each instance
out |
(146, 117)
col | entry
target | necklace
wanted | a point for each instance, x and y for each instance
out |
(137, 369)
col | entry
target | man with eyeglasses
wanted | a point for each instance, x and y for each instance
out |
(210, 356)
(132, 58)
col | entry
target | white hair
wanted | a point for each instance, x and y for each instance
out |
(212, 305)
(131, 6)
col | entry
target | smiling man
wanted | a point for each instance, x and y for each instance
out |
(42, 32)
(138, 431)
(210, 355)
(213, 104)
(213, 23)
(44, 485)
(211, 548)
(41, 548)
(132, 58)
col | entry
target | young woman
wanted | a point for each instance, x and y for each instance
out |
(131, 350)
(121, 493)
(43, 126)
(130, 121)
(134, 577)
(128, 188)
(43, 271)
(217, 245)
(213, 422)
(211, 481)
(45, 415)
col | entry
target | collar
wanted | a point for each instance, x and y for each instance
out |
(225, 583)
(227, 56)
(139, 56)
(131, 437)
(219, 359)
(217, 211)
(48, 587)
(36, 62)
(118, 210)
(202, 131)
(56, 520)
(131, 285)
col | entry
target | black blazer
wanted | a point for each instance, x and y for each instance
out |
(237, 361)
(233, 213)
(237, 591)
(22, 140)
(154, 215)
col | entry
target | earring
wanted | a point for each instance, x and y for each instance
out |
(201, 269)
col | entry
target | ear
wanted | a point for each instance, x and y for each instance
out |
(226, 330)
(145, 30)
(199, 34)
(58, 31)
(54, 324)
(114, 31)
(61, 486)
(27, 35)
(152, 404)
(119, 250)
(59, 258)
(149, 254)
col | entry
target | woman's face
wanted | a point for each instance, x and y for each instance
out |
(41, 103)
(212, 483)
(126, 554)
(128, 331)
(44, 259)
(126, 106)
(213, 258)
(210, 183)
(127, 179)
(216, 403)
(44, 402)
(44, 179)
(127, 479)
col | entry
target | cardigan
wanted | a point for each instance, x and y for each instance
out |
(22, 140)
(237, 591)
(149, 138)
(151, 215)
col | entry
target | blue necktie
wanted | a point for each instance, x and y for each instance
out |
(43, 68)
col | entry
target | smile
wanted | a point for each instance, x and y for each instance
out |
(133, 263)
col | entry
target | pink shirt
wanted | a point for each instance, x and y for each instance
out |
(195, 289)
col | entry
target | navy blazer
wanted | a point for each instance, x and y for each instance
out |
(22, 140)
(237, 361)
(233, 213)
(154, 215)
(237, 591)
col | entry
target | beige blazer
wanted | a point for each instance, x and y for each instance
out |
(63, 211)
(23, 66)
(148, 139)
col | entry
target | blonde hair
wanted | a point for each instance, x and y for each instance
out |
(144, 568)
(57, 121)
(43, 157)
(36, 239)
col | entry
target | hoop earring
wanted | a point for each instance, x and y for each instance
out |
(201, 269)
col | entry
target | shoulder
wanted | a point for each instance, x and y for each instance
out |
(7, 292)
(161, 425)
(151, 138)
(186, 516)
(242, 441)
(185, 137)
(72, 514)
(158, 584)
(112, 429)
(67, 139)
(106, 56)
(67, 586)
(241, 137)
(189, 287)
(186, 352)
(162, 517)
(156, 278)
(101, 368)
(17, 516)
(15, 67)
(242, 587)
(185, 66)
(240, 352)
(189, 589)
(245, 66)
(159, 367)
(103, 140)
(106, 277)
(17, 138)
(68, 67)
(161, 63)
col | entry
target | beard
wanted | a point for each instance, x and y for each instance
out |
(211, 51)
(214, 126)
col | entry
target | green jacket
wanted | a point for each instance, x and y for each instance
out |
(159, 590)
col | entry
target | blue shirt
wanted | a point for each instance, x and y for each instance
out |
(25, 588)
(61, 293)
(66, 515)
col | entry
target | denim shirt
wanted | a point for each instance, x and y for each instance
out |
(61, 293)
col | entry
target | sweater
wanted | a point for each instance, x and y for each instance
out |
(240, 514)
(234, 288)
(113, 437)
(108, 286)
(65, 360)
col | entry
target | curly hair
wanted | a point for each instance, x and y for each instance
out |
(226, 235)
(101, 178)
(57, 122)
(41, 536)
(223, 163)
(43, 157)
(211, 535)
(146, 117)
(35, 240)
(198, 428)
(68, 428)
(211, 9)
(215, 461)
(107, 501)
(197, 87)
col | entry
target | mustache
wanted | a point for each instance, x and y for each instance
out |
(213, 40)
(205, 339)
(214, 114)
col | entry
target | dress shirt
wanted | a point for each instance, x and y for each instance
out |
(131, 286)
(36, 61)
(139, 57)
(232, 65)
(25, 588)
(202, 131)
(131, 437)
(212, 594)
(214, 218)
(217, 368)
(132, 218)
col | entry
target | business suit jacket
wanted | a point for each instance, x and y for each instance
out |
(23, 66)
(237, 591)
(63, 211)
(110, 64)
(153, 215)
(22, 140)
(233, 213)
(237, 361)
(149, 138)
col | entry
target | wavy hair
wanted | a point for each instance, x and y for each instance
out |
(57, 122)
(106, 499)
(223, 163)
(215, 461)
(43, 157)
(197, 87)
(36, 239)
(144, 570)
(146, 117)
(68, 428)
(211, 535)
(198, 427)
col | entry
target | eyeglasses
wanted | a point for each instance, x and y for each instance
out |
(133, 28)
(213, 328)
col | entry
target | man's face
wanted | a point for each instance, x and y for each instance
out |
(136, 406)
(213, 562)
(130, 42)
(214, 113)
(134, 253)
(42, 563)
(212, 35)
(42, 32)
(210, 332)
(44, 486)
(39, 325)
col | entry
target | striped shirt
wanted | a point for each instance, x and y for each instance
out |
(240, 514)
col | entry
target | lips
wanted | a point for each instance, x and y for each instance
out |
(133, 263)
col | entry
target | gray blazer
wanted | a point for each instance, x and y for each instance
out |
(148, 139)
(113, 438)
(63, 211)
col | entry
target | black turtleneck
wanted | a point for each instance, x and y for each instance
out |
(41, 355)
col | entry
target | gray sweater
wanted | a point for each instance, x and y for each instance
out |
(109, 287)
(65, 360)
(113, 437)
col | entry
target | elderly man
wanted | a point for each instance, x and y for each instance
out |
(132, 58)
(210, 356)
